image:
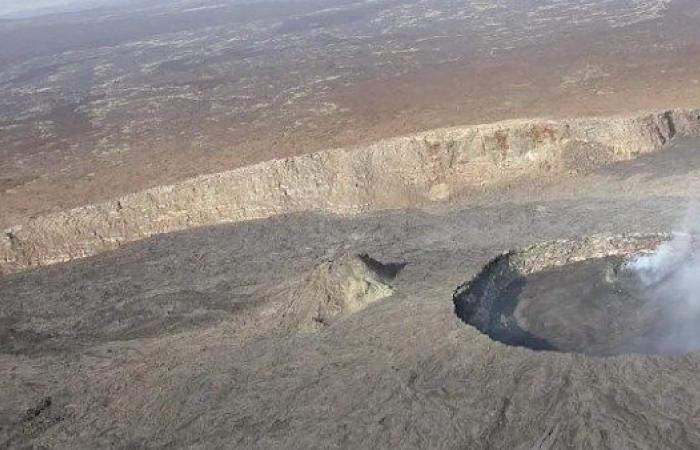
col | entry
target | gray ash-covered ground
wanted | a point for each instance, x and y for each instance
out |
(181, 340)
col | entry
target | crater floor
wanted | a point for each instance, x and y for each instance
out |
(575, 309)
(178, 340)
(585, 307)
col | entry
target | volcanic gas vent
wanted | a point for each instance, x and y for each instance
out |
(601, 295)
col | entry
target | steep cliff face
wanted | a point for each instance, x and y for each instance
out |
(392, 173)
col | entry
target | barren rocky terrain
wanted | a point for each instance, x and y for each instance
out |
(394, 173)
(278, 333)
(162, 91)
(355, 224)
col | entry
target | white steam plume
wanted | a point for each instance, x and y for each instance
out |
(672, 275)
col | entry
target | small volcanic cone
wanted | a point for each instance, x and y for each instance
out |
(338, 287)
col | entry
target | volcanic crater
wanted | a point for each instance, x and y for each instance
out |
(580, 296)
(259, 306)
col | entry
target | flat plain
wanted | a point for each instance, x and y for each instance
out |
(99, 103)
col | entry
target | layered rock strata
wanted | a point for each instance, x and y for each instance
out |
(391, 173)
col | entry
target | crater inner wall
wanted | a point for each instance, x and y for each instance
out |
(393, 173)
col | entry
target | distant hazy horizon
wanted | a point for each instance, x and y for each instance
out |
(10, 8)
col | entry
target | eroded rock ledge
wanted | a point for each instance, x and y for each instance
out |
(392, 173)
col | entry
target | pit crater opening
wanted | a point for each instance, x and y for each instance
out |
(579, 296)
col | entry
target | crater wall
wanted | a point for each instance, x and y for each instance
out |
(392, 173)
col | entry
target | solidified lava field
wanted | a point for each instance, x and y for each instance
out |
(357, 224)
(310, 330)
